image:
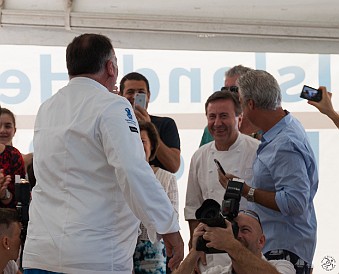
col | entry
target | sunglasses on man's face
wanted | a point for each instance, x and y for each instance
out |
(230, 88)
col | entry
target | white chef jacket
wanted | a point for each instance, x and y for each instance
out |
(203, 182)
(93, 182)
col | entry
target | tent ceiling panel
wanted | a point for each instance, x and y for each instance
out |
(273, 26)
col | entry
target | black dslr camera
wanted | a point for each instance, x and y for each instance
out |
(213, 215)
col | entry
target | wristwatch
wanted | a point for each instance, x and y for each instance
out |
(7, 195)
(250, 195)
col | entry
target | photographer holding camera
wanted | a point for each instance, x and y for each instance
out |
(244, 251)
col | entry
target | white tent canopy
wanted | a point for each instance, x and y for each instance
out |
(305, 26)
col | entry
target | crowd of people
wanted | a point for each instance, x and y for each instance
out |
(106, 197)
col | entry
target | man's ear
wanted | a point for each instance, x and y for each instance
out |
(110, 68)
(240, 119)
(250, 104)
(5, 242)
(262, 241)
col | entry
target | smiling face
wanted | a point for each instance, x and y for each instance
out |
(132, 87)
(222, 122)
(250, 233)
(7, 129)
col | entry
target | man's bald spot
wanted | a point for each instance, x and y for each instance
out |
(247, 219)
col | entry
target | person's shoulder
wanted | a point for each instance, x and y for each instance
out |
(12, 150)
(204, 149)
(165, 126)
(112, 103)
(11, 267)
(161, 119)
(164, 172)
(249, 140)
(283, 266)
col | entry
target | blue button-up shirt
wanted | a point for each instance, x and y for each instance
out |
(286, 165)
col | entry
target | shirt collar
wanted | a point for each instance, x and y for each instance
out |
(89, 81)
(233, 146)
(277, 128)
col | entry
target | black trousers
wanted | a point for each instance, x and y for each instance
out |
(300, 265)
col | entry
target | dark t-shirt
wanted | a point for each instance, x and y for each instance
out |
(169, 134)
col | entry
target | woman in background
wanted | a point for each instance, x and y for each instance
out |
(148, 257)
(7, 132)
(11, 163)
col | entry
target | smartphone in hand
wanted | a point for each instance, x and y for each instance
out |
(219, 167)
(311, 94)
(140, 99)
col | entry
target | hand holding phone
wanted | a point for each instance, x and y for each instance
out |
(140, 99)
(311, 94)
(219, 167)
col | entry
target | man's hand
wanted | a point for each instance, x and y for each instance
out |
(325, 105)
(219, 238)
(141, 114)
(198, 231)
(4, 182)
(174, 248)
(224, 179)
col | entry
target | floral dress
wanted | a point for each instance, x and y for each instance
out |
(151, 258)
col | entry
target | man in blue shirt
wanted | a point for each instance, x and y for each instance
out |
(285, 176)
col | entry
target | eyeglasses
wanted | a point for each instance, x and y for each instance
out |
(252, 214)
(231, 89)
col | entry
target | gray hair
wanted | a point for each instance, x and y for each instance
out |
(262, 88)
(237, 70)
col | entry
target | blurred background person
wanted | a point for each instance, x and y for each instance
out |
(10, 231)
(148, 257)
(11, 161)
(7, 132)
(230, 84)
(168, 154)
(325, 106)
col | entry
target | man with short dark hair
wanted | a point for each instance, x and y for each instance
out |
(234, 150)
(93, 182)
(230, 84)
(168, 154)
